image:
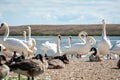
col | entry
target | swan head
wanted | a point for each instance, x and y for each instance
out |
(59, 37)
(4, 24)
(91, 40)
(103, 21)
(29, 28)
(24, 33)
(70, 37)
(83, 33)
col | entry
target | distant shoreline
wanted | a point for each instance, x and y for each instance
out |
(64, 30)
(60, 34)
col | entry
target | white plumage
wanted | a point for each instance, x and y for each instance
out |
(104, 45)
(52, 49)
(83, 48)
(115, 48)
(14, 44)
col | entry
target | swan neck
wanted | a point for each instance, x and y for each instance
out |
(29, 33)
(104, 30)
(6, 33)
(33, 44)
(82, 39)
(58, 47)
(25, 37)
(69, 42)
(92, 41)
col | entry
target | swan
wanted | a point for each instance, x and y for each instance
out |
(66, 48)
(115, 48)
(55, 51)
(104, 45)
(4, 69)
(31, 42)
(14, 44)
(83, 48)
(47, 45)
(83, 40)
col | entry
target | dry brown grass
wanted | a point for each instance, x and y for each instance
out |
(92, 29)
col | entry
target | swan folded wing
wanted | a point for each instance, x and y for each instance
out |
(14, 42)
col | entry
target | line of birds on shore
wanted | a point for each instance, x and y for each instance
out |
(20, 55)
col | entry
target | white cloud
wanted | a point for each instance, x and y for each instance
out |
(62, 11)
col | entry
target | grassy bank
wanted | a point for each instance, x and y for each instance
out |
(64, 30)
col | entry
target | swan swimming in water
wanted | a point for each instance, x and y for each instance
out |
(66, 48)
(14, 44)
(83, 39)
(31, 42)
(56, 51)
(82, 49)
(104, 45)
(115, 48)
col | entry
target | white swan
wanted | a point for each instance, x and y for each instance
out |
(31, 42)
(104, 45)
(14, 44)
(115, 48)
(55, 51)
(83, 39)
(83, 48)
(66, 48)
(47, 45)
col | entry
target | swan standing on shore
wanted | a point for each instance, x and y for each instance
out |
(104, 45)
(14, 44)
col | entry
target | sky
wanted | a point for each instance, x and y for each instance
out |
(28, 12)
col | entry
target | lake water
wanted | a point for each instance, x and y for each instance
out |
(42, 39)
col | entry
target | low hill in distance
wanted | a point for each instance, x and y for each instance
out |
(91, 29)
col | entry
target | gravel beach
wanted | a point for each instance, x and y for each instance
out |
(82, 69)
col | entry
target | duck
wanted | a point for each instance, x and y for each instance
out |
(4, 69)
(94, 57)
(29, 67)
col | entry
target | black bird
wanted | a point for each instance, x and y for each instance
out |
(94, 57)
(4, 69)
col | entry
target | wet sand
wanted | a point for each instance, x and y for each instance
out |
(81, 69)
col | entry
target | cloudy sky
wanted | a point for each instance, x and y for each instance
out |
(21, 12)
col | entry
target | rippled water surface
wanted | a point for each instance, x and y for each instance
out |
(64, 41)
